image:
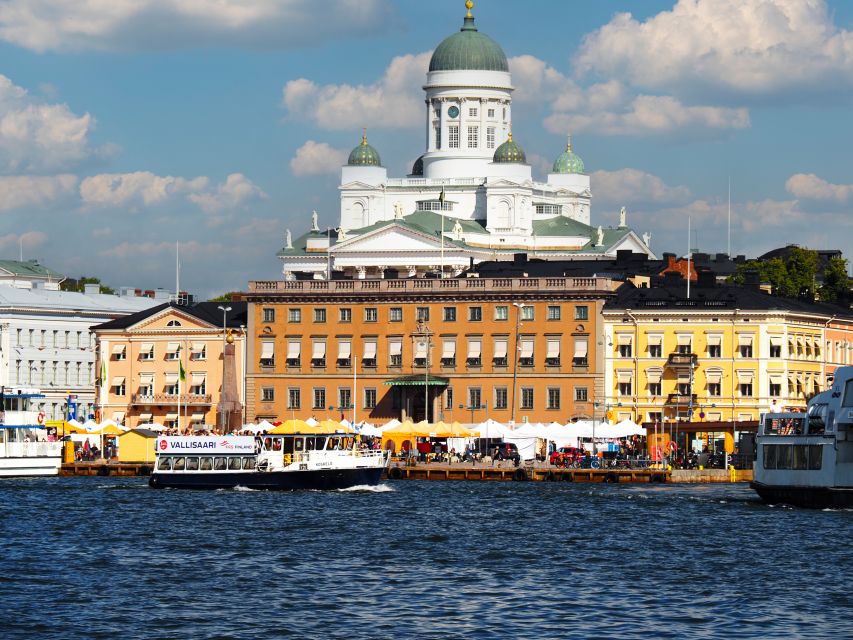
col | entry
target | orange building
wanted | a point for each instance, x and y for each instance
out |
(462, 349)
(141, 357)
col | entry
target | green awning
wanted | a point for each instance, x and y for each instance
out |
(418, 381)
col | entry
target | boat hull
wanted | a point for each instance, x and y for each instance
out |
(27, 466)
(803, 496)
(323, 479)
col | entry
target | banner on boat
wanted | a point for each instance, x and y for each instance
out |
(206, 444)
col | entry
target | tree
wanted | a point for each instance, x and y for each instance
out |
(78, 284)
(836, 282)
(792, 278)
(225, 297)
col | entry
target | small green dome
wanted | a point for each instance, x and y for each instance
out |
(364, 155)
(418, 167)
(468, 50)
(510, 153)
(568, 162)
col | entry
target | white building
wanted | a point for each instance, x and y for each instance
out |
(45, 340)
(470, 195)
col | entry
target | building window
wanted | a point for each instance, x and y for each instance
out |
(553, 398)
(344, 398)
(475, 314)
(501, 312)
(294, 315)
(474, 397)
(775, 390)
(122, 354)
(582, 312)
(453, 137)
(294, 398)
(200, 388)
(525, 355)
(318, 355)
(624, 388)
(745, 389)
(490, 136)
(422, 314)
(655, 350)
(319, 398)
(746, 350)
(369, 398)
(581, 394)
(198, 352)
(319, 315)
(775, 350)
(473, 137)
(267, 354)
(171, 389)
(490, 113)
(472, 112)
(438, 136)
(345, 314)
(501, 398)
(684, 388)
(553, 312)
(448, 398)
(395, 353)
(527, 313)
(267, 394)
(527, 397)
(269, 315)
(119, 389)
(371, 314)
(395, 314)
(654, 389)
(173, 351)
(715, 351)
(450, 314)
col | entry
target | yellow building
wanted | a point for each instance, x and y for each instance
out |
(711, 363)
(141, 357)
(137, 445)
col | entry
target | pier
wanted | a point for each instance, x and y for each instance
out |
(105, 468)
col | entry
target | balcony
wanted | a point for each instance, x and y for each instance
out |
(188, 399)
(680, 400)
(682, 360)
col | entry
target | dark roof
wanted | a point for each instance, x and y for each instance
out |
(205, 311)
(624, 265)
(671, 293)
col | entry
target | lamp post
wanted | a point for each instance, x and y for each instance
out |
(519, 306)
(224, 311)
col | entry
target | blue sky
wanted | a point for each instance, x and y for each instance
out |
(130, 125)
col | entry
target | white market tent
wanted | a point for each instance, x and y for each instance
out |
(492, 429)
(371, 430)
(391, 423)
(312, 422)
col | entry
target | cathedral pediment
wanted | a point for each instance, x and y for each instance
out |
(391, 238)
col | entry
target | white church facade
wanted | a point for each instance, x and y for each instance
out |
(469, 197)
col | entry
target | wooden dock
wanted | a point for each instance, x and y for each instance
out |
(106, 468)
(525, 474)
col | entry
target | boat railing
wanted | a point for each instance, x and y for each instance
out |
(323, 454)
(31, 449)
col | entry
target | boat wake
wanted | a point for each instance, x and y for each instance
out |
(242, 488)
(369, 488)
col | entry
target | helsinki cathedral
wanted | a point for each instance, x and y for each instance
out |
(469, 197)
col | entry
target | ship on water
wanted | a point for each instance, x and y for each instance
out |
(26, 448)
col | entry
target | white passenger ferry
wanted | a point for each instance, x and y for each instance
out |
(283, 462)
(806, 459)
(25, 446)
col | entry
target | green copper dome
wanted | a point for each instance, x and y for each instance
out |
(510, 153)
(364, 155)
(568, 162)
(468, 50)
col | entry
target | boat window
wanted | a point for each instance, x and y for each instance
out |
(165, 463)
(330, 443)
(235, 463)
(783, 456)
(309, 444)
(770, 456)
(800, 462)
(179, 464)
(248, 462)
(219, 464)
(276, 444)
(206, 464)
(848, 394)
(192, 464)
(287, 448)
(815, 456)
(268, 444)
(298, 444)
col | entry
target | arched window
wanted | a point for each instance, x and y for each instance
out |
(173, 323)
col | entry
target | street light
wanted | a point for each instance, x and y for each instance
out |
(224, 311)
(519, 306)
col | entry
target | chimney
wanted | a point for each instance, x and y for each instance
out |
(519, 258)
(91, 289)
(752, 279)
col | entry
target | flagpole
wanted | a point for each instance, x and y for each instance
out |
(441, 213)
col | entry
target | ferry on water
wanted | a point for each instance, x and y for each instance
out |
(806, 459)
(26, 447)
(282, 462)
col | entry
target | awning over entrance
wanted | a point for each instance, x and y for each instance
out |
(417, 381)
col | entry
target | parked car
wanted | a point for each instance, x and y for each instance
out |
(507, 451)
(565, 456)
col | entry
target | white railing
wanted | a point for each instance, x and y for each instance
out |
(31, 449)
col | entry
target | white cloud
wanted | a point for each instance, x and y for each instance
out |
(702, 47)
(237, 191)
(188, 249)
(632, 186)
(810, 186)
(20, 192)
(391, 102)
(10, 243)
(317, 158)
(35, 136)
(62, 25)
